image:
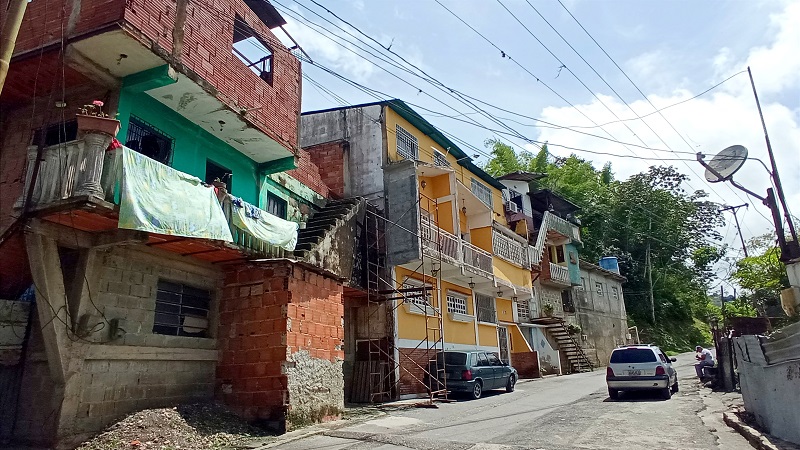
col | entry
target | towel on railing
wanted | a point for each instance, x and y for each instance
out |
(263, 225)
(159, 199)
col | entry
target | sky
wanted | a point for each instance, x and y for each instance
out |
(671, 51)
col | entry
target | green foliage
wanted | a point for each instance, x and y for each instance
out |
(762, 276)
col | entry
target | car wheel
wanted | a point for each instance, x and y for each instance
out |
(675, 387)
(613, 394)
(512, 381)
(666, 393)
(477, 390)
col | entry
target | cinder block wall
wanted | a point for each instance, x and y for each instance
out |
(281, 350)
(116, 376)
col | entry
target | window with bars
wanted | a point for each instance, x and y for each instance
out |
(440, 159)
(486, 308)
(407, 144)
(456, 303)
(181, 310)
(149, 141)
(481, 191)
(418, 300)
(57, 133)
(523, 310)
(276, 205)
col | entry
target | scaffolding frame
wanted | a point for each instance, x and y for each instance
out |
(385, 293)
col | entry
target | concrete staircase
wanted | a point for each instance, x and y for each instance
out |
(567, 345)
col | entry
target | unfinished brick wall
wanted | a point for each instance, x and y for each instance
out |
(309, 174)
(331, 157)
(412, 375)
(527, 364)
(281, 345)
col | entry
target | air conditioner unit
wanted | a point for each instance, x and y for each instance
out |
(512, 207)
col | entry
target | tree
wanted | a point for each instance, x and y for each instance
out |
(762, 275)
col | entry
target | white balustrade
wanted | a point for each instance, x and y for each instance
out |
(477, 260)
(559, 273)
(509, 249)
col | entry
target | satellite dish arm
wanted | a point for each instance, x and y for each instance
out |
(730, 178)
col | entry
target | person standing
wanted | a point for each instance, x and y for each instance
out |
(704, 359)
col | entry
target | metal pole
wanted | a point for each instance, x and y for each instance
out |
(16, 11)
(775, 177)
(650, 274)
(734, 209)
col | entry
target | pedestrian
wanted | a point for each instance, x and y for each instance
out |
(704, 359)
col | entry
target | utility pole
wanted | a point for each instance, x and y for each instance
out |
(15, 12)
(650, 273)
(736, 218)
(775, 177)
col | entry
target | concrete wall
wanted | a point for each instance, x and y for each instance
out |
(602, 317)
(771, 392)
(82, 375)
(362, 128)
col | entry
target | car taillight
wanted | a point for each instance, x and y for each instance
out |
(660, 370)
(609, 372)
(466, 375)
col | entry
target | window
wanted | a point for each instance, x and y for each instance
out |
(417, 299)
(440, 159)
(567, 301)
(560, 254)
(599, 288)
(523, 310)
(407, 144)
(615, 292)
(483, 193)
(493, 359)
(57, 133)
(486, 308)
(252, 50)
(456, 303)
(149, 141)
(276, 205)
(181, 310)
(482, 360)
(632, 356)
(215, 172)
(451, 359)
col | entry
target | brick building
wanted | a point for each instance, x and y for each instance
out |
(156, 292)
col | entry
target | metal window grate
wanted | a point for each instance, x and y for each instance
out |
(407, 144)
(149, 141)
(440, 159)
(483, 193)
(456, 303)
(486, 308)
(417, 300)
(181, 310)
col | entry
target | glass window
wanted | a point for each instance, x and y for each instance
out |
(560, 254)
(452, 358)
(407, 144)
(633, 355)
(276, 205)
(481, 191)
(181, 310)
(482, 361)
(493, 359)
(486, 308)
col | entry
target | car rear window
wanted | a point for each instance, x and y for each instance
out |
(633, 355)
(453, 359)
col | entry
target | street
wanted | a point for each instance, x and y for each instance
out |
(553, 413)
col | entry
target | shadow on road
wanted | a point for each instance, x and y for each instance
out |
(638, 396)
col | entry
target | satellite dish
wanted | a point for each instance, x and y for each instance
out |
(726, 163)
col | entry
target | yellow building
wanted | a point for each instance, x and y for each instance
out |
(456, 269)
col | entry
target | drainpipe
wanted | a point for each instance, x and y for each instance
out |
(16, 10)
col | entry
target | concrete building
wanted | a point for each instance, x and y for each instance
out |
(454, 270)
(160, 269)
(599, 311)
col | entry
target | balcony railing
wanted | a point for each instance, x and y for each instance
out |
(559, 274)
(82, 170)
(509, 249)
(435, 240)
(563, 227)
(477, 260)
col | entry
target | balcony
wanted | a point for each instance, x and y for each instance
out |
(555, 228)
(556, 275)
(510, 249)
(563, 227)
(81, 185)
(436, 241)
(477, 260)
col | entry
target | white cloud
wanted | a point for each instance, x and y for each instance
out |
(717, 120)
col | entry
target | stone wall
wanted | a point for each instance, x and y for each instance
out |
(83, 372)
(281, 335)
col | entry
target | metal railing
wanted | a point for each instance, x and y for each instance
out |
(564, 227)
(477, 260)
(509, 249)
(438, 240)
(559, 273)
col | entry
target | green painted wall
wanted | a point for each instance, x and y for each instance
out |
(193, 145)
(574, 269)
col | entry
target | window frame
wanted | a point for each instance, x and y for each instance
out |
(440, 159)
(276, 200)
(143, 126)
(484, 193)
(242, 31)
(457, 303)
(482, 309)
(164, 307)
(615, 292)
(598, 286)
(409, 142)
(417, 301)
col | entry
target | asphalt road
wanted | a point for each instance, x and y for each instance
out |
(553, 413)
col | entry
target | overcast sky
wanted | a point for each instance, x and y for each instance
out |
(671, 50)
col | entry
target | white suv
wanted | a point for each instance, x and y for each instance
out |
(641, 367)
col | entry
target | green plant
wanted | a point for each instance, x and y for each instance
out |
(573, 329)
(548, 308)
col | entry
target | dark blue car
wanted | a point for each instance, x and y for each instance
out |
(472, 372)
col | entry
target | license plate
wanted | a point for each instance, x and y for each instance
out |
(635, 373)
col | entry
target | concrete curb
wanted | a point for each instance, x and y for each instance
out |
(753, 436)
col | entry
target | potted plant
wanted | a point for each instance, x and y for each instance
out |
(573, 329)
(547, 309)
(91, 118)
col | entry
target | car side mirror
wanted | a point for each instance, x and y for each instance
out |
(673, 359)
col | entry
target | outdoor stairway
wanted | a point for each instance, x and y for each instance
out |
(323, 223)
(578, 360)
